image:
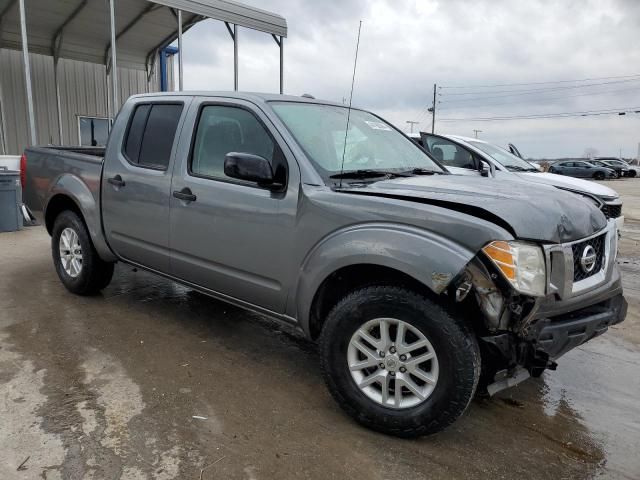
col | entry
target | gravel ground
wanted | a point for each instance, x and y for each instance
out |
(153, 381)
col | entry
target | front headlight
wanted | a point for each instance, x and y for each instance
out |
(521, 263)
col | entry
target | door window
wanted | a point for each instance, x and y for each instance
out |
(222, 130)
(151, 135)
(449, 153)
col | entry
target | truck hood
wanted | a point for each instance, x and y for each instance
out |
(570, 183)
(537, 212)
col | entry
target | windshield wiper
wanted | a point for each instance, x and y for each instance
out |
(366, 173)
(423, 171)
(518, 168)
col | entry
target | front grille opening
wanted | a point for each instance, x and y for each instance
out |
(581, 269)
(611, 211)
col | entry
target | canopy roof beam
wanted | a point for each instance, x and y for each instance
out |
(130, 25)
(6, 9)
(57, 37)
(186, 25)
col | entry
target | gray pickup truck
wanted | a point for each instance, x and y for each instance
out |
(420, 286)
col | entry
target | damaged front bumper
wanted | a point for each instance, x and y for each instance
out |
(526, 335)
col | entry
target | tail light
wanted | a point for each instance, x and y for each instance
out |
(23, 170)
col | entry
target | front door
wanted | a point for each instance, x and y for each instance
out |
(136, 184)
(229, 236)
(457, 159)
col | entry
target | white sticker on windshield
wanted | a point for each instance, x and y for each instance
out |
(378, 125)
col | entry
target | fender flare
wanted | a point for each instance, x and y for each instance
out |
(431, 259)
(72, 187)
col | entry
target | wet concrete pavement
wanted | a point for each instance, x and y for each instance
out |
(153, 381)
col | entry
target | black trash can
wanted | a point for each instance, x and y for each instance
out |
(10, 200)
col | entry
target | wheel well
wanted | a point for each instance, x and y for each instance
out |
(350, 278)
(58, 204)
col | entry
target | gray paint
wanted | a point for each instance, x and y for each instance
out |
(270, 251)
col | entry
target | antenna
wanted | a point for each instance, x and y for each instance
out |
(353, 79)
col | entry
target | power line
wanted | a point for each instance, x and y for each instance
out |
(539, 83)
(588, 113)
(512, 93)
(511, 102)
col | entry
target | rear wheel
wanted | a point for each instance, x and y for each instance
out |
(598, 176)
(76, 261)
(398, 362)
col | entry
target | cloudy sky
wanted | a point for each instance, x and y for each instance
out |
(463, 46)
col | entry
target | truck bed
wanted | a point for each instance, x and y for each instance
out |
(47, 167)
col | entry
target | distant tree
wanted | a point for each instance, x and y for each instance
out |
(590, 152)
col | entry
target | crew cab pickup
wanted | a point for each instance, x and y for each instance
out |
(420, 286)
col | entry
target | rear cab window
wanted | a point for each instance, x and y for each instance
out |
(151, 134)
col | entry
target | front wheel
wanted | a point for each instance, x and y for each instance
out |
(598, 176)
(398, 362)
(77, 263)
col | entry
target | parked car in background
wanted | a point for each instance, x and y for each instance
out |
(471, 156)
(417, 284)
(623, 169)
(582, 169)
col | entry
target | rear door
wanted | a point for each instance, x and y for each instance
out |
(136, 182)
(230, 236)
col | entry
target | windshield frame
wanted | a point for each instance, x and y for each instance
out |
(332, 182)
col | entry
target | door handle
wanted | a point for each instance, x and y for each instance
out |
(185, 194)
(116, 181)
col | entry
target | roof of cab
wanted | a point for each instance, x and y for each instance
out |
(255, 97)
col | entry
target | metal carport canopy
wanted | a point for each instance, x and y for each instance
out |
(79, 29)
(86, 30)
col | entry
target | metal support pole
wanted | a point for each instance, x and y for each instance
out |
(58, 101)
(114, 63)
(235, 58)
(281, 65)
(180, 80)
(3, 123)
(433, 113)
(280, 42)
(27, 73)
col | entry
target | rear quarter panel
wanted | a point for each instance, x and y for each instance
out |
(51, 173)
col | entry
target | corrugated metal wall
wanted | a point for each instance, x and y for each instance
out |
(83, 91)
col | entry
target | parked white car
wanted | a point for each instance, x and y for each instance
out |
(471, 156)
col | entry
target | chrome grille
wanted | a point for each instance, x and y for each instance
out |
(598, 245)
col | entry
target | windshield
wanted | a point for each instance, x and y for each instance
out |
(504, 158)
(371, 144)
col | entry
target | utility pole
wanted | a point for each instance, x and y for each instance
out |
(412, 123)
(476, 132)
(433, 111)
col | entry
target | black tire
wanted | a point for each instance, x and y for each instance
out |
(598, 176)
(454, 343)
(632, 173)
(95, 273)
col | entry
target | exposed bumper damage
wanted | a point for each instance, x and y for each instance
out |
(521, 336)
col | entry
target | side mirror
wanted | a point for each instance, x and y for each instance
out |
(252, 168)
(484, 169)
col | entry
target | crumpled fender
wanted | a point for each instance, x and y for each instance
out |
(74, 188)
(426, 256)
